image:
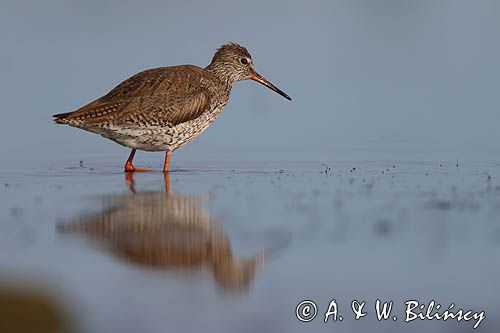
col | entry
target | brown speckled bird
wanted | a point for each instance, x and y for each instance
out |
(163, 108)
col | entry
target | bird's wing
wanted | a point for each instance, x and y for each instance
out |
(157, 96)
(165, 110)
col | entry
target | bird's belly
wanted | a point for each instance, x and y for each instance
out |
(152, 138)
(155, 138)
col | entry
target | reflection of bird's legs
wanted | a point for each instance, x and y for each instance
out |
(167, 182)
(129, 178)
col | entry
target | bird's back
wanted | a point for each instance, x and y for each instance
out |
(165, 95)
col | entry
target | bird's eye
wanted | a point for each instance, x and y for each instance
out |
(244, 61)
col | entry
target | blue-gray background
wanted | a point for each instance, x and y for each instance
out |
(354, 184)
(378, 75)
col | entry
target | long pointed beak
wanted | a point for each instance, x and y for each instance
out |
(259, 78)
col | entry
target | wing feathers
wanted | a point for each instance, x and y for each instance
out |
(167, 95)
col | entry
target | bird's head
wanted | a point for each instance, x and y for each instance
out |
(233, 62)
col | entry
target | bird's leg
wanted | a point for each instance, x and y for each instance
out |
(129, 167)
(167, 161)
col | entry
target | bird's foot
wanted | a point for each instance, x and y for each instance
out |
(129, 167)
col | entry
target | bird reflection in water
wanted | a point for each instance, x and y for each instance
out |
(165, 230)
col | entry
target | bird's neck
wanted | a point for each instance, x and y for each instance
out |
(223, 73)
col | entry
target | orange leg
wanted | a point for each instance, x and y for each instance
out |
(167, 161)
(129, 167)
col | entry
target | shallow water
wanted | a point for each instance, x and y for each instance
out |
(235, 246)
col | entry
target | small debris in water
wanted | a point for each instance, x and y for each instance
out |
(487, 175)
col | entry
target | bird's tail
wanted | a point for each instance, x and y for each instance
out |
(61, 118)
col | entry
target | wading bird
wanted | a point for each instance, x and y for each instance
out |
(162, 109)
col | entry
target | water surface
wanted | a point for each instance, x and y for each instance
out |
(235, 246)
